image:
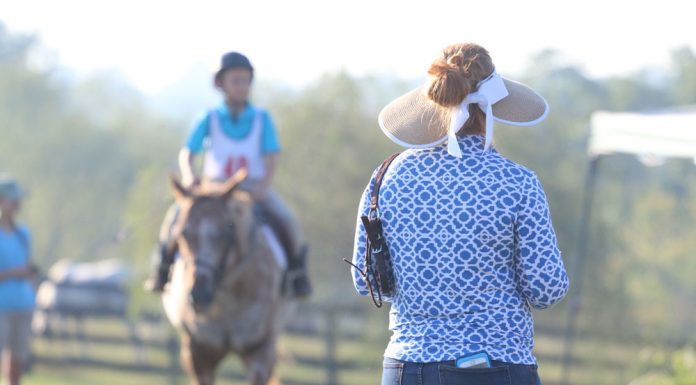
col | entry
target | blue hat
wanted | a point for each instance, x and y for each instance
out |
(9, 188)
(234, 60)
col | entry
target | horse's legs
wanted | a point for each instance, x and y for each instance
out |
(260, 363)
(200, 362)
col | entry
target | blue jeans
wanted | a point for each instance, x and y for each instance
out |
(395, 372)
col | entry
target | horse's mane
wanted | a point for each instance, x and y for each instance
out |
(215, 189)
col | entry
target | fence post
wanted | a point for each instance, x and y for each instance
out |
(173, 350)
(331, 338)
(137, 342)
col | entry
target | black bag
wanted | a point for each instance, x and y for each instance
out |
(378, 264)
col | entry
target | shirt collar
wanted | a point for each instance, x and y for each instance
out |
(472, 144)
(246, 114)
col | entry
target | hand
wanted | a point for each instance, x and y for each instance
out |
(35, 269)
(28, 271)
(190, 181)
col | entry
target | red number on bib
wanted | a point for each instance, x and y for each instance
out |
(240, 163)
(229, 167)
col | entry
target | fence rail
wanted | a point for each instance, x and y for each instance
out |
(319, 322)
(150, 346)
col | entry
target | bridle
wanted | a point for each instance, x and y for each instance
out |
(217, 270)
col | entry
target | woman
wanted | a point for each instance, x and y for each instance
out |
(16, 287)
(469, 231)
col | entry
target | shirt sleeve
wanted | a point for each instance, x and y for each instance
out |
(360, 238)
(197, 135)
(541, 276)
(269, 139)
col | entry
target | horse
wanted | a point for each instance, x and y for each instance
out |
(224, 296)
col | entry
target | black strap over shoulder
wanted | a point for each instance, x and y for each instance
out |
(374, 194)
(378, 266)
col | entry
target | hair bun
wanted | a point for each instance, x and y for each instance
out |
(449, 84)
(457, 73)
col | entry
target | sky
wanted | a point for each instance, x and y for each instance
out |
(153, 43)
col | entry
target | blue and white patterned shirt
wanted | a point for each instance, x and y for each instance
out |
(473, 249)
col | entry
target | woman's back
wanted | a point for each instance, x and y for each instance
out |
(469, 232)
(473, 248)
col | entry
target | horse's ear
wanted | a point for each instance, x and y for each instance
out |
(233, 182)
(180, 192)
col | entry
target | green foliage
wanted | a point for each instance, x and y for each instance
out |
(82, 162)
(684, 83)
(679, 368)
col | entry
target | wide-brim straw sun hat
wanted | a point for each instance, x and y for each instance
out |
(413, 120)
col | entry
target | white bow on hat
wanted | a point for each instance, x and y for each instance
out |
(490, 91)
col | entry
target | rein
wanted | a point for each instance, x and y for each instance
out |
(241, 265)
(220, 268)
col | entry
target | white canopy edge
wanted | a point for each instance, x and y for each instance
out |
(667, 134)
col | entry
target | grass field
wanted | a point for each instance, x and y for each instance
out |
(599, 361)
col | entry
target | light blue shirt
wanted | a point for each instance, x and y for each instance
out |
(15, 294)
(473, 249)
(235, 128)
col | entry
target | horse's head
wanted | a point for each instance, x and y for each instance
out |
(209, 233)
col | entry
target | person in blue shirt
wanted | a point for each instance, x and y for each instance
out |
(17, 296)
(233, 136)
